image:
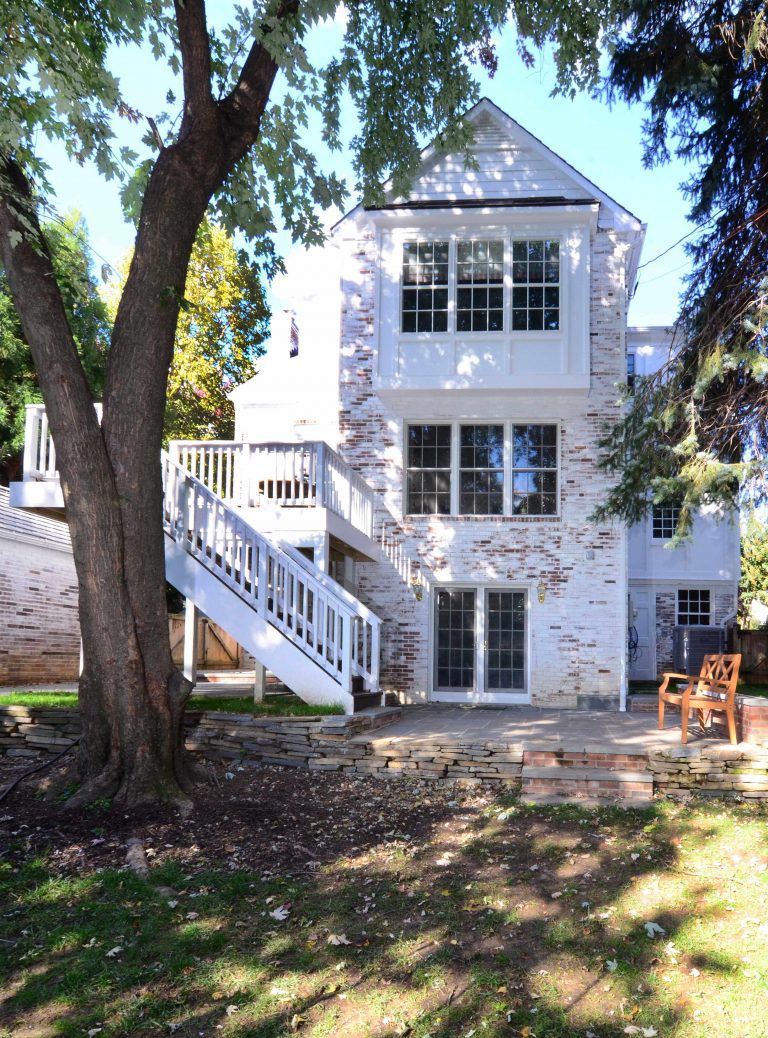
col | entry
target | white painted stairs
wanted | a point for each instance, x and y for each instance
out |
(306, 629)
(585, 777)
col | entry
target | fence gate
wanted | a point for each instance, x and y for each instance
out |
(216, 650)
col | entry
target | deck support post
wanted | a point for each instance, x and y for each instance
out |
(191, 617)
(259, 683)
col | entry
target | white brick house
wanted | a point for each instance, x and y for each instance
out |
(435, 455)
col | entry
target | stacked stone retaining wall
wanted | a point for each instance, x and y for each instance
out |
(336, 743)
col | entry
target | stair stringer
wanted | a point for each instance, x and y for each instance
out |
(269, 645)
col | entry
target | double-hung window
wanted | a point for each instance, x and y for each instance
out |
(460, 285)
(482, 469)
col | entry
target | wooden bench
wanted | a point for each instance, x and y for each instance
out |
(713, 690)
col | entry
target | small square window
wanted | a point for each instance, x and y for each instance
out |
(694, 606)
(664, 521)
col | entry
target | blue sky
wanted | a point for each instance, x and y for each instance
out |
(603, 143)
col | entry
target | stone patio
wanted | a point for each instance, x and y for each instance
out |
(528, 728)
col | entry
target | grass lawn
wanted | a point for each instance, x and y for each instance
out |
(332, 907)
(278, 705)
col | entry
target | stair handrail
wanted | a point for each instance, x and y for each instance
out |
(346, 622)
(329, 582)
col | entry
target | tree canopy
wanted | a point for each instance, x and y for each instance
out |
(700, 69)
(222, 324)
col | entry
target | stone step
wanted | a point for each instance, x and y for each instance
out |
(366, 700)
(585, 759)
(587, 782)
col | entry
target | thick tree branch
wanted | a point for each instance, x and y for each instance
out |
(194, 45)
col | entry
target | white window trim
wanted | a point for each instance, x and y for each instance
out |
(436, 695)
(696, 587)
(651, 537)
(505, 235)
(455, 424)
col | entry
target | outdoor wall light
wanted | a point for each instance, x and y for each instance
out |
(417, 586)
(541, 591)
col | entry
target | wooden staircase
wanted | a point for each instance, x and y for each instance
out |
(586, 778)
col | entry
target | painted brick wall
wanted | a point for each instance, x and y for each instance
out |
(578, 634)
(39, 629)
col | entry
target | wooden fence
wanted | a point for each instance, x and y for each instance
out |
(216, 649)
(753, 646)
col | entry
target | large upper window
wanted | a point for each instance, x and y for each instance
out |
(536, 285)
(694, 606)
(425, 286)
(474, 298)
(482, 469)
(480, 286)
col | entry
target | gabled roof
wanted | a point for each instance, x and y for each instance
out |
(514, 168)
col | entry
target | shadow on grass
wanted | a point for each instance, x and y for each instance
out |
(507, 921)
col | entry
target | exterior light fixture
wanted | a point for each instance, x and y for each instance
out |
(417, 586)
(541, 591)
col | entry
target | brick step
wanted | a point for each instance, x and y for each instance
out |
(577, 783)
(585, 759)
(582, 800)
(366, 700)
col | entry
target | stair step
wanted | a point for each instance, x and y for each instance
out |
(574, 759)
(585, 801)
(583, 782)
(365, 700)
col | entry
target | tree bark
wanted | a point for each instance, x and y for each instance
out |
(131, 697)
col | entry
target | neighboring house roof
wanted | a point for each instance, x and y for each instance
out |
(514, 168)
(19, 525)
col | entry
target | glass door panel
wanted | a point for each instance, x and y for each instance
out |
(505, 641)
(455, 641)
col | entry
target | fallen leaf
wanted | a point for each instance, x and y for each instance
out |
(652, 929)
(338, 938)
(611, 965)
(113, 952)
(281, 912)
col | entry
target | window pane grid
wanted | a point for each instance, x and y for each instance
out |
(693, 606)
(534, 470)
(481, 475)
(455, 639)
(665, 520)
(536, 285)
(480, 286)
(429, 470)
(424, 303)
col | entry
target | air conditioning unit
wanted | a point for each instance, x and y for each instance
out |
(691, 643)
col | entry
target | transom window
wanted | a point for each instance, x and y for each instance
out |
(480, 286)
(534, 469)
(694, 606)
(482, 469)
(536, 285)
(429, 469)
(664, 521)
(460, 286)
(425, 286)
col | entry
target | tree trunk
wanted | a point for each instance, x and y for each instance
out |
(131, 697)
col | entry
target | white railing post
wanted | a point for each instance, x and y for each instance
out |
(375, 655)
(322, 476)
(344, 651)
(31, 440)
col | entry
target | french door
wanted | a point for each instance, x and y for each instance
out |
(480, 645)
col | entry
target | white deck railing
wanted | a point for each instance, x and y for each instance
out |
(39, 451)
(286, 475)
(328, 624)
